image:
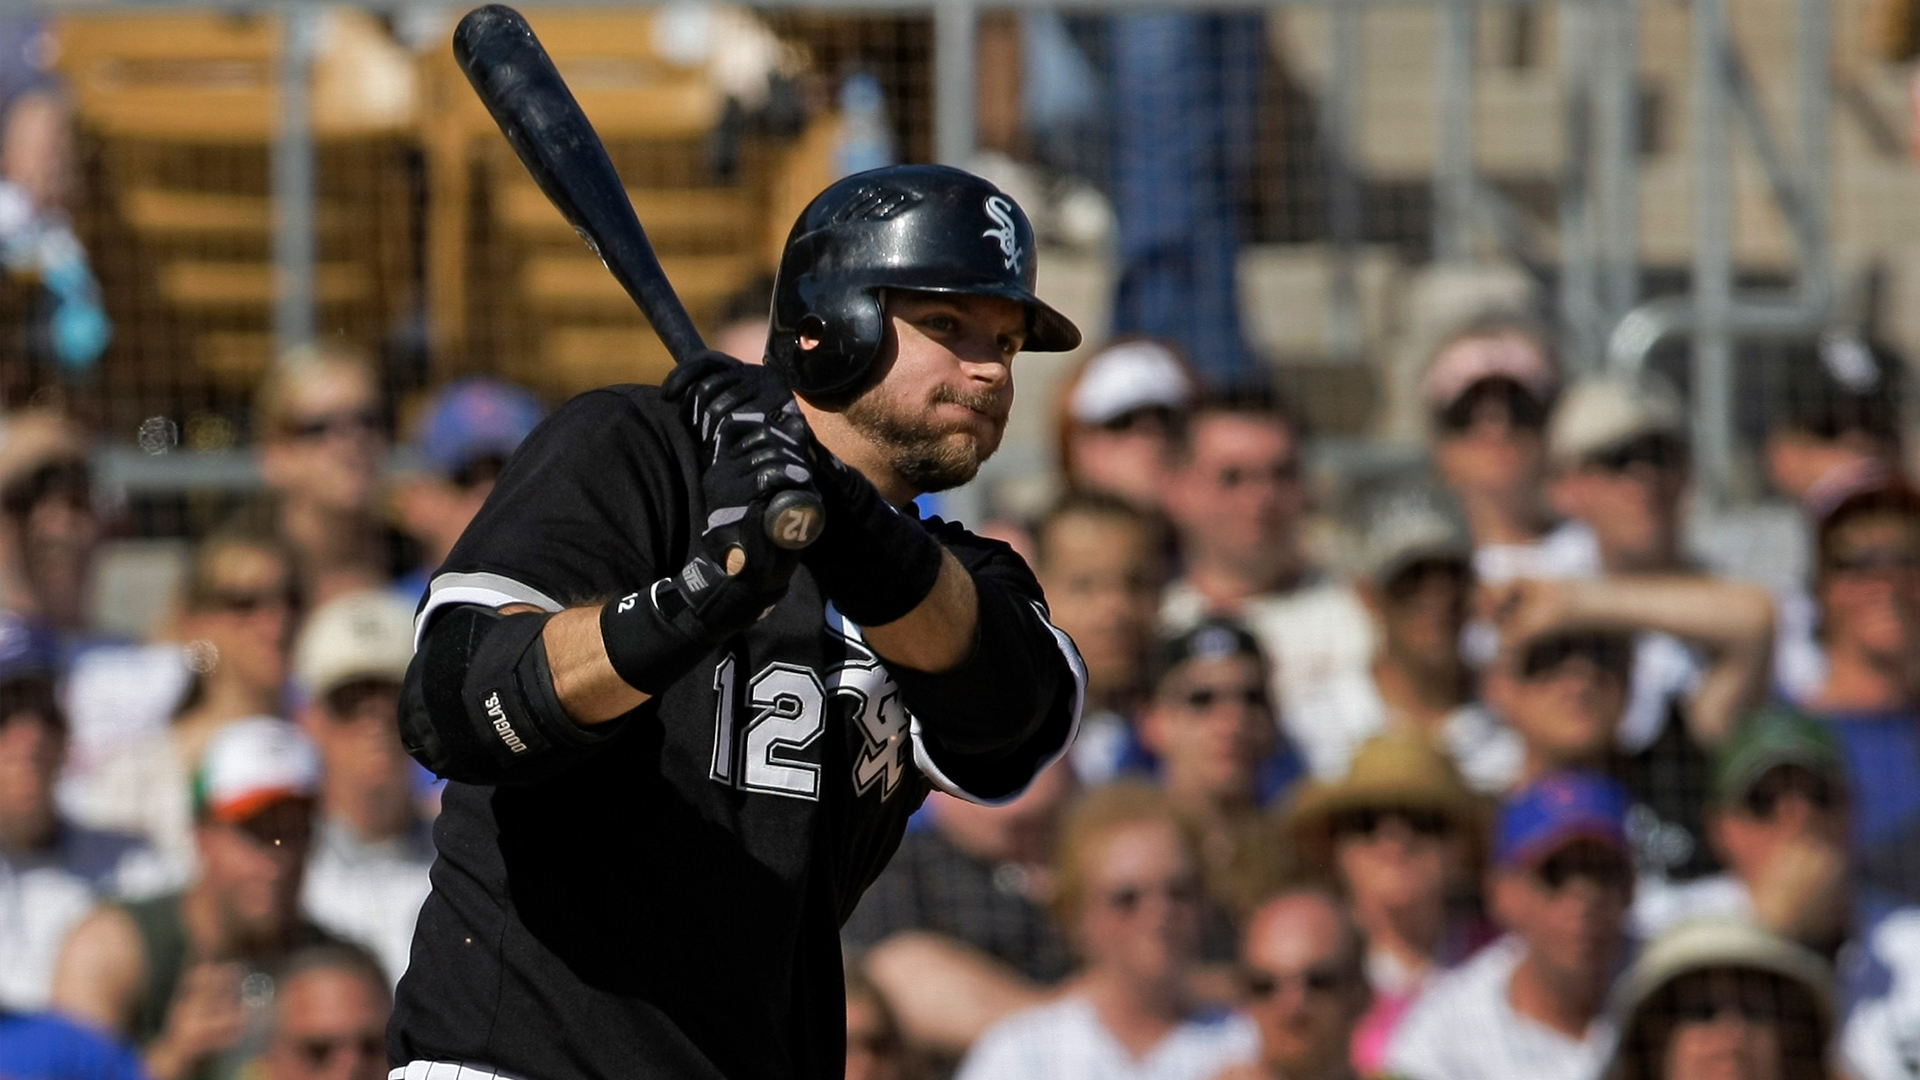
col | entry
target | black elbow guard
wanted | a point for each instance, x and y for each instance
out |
(479, 704)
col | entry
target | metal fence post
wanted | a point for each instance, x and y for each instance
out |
(1617, 149)
(955, 28)
(295, 321)
(1712, 254)
(1453, 183)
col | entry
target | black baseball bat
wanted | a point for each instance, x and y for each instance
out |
(526, 96)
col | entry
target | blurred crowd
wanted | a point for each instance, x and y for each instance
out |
(1492, 774)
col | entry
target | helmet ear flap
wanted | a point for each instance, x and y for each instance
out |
(848, 326)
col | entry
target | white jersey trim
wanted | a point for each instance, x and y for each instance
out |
(488, 590)
(446, 1070)
(940, 780)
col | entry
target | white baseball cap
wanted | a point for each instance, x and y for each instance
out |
(1601, 413)
(360, 635)
(1129, 375)
(251, 764)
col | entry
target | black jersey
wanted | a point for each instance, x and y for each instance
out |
(670, 906)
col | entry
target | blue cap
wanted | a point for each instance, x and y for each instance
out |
(26, 650)
(1557, 809)
(475, 418)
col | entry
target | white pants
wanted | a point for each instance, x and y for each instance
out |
(445, 1070)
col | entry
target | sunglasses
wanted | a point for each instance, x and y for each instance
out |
(1153, 419)
(1233, 477)
(346, 422)
(317, 1053)
(1646, 452)
(1704, 997)
(1322, 980)
(1368, 820)
(1126, 899)
(1544, 658)
(1521, 409)
(361, 698)
(70, 480)
(284, 824)
(1604, 867)
(1764, 797)
(484, 469)
(1411, 581)
(1204, 698)
(1872, 561)
(241, 602)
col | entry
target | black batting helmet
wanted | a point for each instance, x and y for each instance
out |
(929, 228)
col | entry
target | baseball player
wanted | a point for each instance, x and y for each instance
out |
(678, 752)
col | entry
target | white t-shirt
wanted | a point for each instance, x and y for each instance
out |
(42, 896)
(1464, 1027)
(1331, 728)
(1660, 904)
(116, 696)
(146, 789)
(1881, 1038)
(1318, 638)
(369, 893)
(1064, 1040)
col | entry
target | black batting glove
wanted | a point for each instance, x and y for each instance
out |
(874, 562)
(754, 446)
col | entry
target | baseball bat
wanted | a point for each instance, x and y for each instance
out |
(520, 87)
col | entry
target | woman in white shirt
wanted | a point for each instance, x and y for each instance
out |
(1130, 895)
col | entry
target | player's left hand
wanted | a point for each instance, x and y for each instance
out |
(714, 388)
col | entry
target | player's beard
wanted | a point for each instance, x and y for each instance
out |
(922, 452)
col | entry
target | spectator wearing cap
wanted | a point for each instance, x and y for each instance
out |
(52, 870)
(1130, 893)
(1867, 585)
(1532, 1006)
(1834, 414)
(1211, 732)
(322, 436)
(1488, 390)
(469, 431)
(330, 1009)
(956, 932)
(233, 627)
(51, 528)
(168, 974)
(367, 876)
(1702, 644)
(1118, 417)
(1416, 581)
(1396, 836)
(1717, 998)
(1101, 563)
(1235, 496)
(1778, 820)
(1302, 973)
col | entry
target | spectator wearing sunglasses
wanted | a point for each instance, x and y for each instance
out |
(52, 870)
(956, 932)
(367, 876)
(1416, 581)
(1488, 391)
(1130, 892)
(1868, 588)
(1562, 693)
(1118, 416)
(1301, 970)
(1721, 998)
(322, 437)
(1236, 496)
(1211, 731)
(52, 528)
(232, 628)
(1532, 1006)
(467, 433)
(175, 974)
(1778, 820)
(1702, 644)
(1101, 561)
(1396, 838)
(330, 1009)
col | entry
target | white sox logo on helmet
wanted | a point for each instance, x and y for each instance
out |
(1001, 211)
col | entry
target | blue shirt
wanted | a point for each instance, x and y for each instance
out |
(45, 1047)
(1882, 751)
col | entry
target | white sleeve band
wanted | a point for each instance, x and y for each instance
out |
(487, 590)
(941, 780)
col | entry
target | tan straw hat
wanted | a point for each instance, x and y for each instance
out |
(1396, 769)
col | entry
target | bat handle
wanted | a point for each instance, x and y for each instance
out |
(794, 519)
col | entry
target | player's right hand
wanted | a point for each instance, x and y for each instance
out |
(755, 443)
